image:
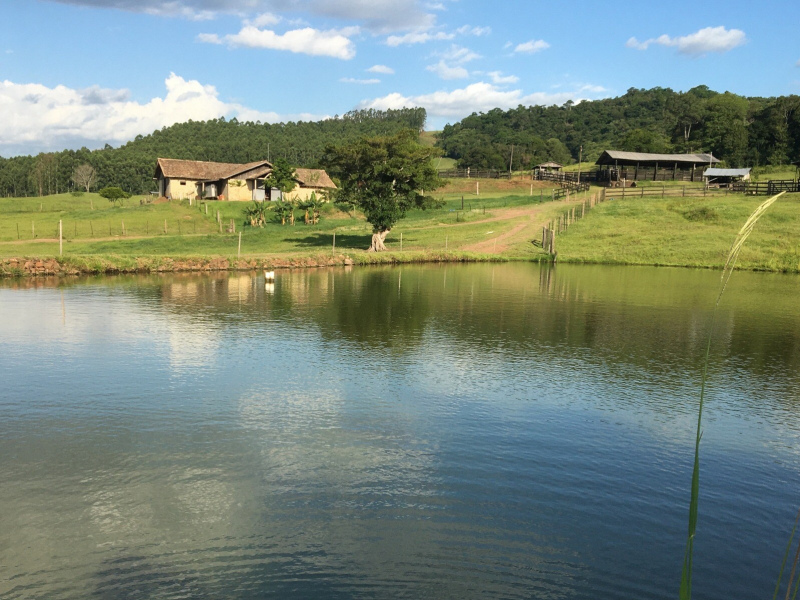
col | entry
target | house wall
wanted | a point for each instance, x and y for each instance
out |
(176, 191)
(301, 194)
(239, 191)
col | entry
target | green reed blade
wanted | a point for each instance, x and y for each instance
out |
(685, 592)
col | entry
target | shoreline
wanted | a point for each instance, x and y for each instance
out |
(114, 265)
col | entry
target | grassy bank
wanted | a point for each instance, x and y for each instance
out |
(99, 237)
(691, 232)
(502, 223)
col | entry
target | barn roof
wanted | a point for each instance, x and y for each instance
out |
(610, 157)
(317, 178)
(726, 172)
(550, 165)
(200, 170)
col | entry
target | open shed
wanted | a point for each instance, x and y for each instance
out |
(725, 177)
(550, 166)
(617, 165)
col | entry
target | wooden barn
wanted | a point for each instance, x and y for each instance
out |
(618, 165)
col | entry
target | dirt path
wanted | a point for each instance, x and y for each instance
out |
(530, 222)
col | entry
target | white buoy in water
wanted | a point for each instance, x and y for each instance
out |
(269, 275)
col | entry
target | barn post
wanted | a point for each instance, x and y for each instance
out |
(655, 172)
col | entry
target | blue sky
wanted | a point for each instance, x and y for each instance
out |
(89, 72)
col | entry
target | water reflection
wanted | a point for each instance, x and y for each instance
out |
(440, 431)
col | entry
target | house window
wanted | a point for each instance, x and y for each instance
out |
(183, 183)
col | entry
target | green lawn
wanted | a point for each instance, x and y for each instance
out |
(685, 232)
(92, 226)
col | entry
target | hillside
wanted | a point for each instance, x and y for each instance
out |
(131, 166)
(741, 131)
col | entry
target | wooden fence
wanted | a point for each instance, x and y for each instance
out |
(664, 191)
(562, 177)
(476, 173)
(569, 188)
(561, 223)
(768, 188)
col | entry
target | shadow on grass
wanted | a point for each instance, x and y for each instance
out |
(325, 240)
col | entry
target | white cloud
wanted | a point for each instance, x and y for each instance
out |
(383, 69)
(458, 54)
(445, 71)
(708, 39)
(499, 79)
(361, 81)
(595, 89)
(264, 20)
(452, 60)
(381, 16)
(531, 47)
(481, 96)
(417, 37)
(333, 42)
(476, 31)
(59, 117)
(209, 38)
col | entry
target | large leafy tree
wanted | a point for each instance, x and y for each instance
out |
(385, 177)
(281, 177)
(114, 194)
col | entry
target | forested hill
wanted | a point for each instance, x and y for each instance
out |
(741, 131)
(131, 166)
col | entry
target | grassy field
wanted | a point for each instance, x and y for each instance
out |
(693, 232)
(91, 226)
(504, 221)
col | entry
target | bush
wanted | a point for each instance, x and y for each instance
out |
(77, 193)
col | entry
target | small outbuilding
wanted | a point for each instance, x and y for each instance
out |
(550, 167)
(725, 177)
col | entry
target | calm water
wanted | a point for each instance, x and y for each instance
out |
(486, 431)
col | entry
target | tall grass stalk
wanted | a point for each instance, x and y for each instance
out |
(727, 271)
(783, 564)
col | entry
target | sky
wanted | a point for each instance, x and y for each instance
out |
(92, 72)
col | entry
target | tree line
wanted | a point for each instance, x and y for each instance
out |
(738, 130)
(131, 166)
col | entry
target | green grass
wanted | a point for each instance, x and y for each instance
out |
(733, 254)
(685, 232)
(774, 172)
(92, 227)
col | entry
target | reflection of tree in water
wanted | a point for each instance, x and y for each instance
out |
(645, 317)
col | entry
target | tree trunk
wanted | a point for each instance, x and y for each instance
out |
(377, 241)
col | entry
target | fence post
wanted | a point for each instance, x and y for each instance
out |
(60, 239)
(239, 251)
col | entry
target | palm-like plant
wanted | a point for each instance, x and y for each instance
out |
(282, 210)
(256, 214)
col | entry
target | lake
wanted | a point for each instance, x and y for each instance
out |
(448, 431)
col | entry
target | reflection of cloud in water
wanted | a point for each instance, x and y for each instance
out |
(313, 442)
(191, 344)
